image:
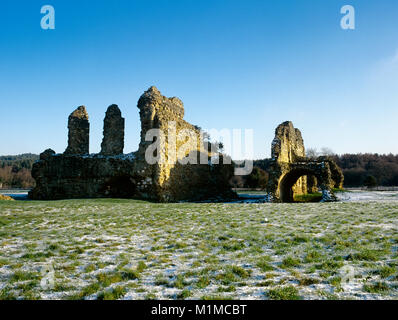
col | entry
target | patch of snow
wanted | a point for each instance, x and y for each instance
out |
(359, 195)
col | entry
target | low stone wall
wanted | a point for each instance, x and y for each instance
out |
(60, 176)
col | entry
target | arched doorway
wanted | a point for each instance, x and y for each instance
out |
(286, 193)
(121, 186)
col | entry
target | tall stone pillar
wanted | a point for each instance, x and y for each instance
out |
(79, 132)
(113, 141)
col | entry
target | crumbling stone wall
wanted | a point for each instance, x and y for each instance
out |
(113, 141)
(289, 168)
(288, 144)
(337, 173)
(288, 147)
(77, 174)
(61, 176)
(171, 177)
(78, 132)
(337, 177)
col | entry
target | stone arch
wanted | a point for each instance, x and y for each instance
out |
(283, 177)
(288, 180)
(289, 165)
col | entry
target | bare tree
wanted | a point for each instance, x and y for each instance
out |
(326, 152)
(312, 153)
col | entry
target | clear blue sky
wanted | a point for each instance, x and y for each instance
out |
(235, 64)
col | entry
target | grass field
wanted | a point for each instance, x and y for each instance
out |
(127, 249)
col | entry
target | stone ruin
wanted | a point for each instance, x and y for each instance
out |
(78, 174)
(113, 141)
(79, 132)
(292, 173)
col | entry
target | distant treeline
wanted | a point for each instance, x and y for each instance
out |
(15, 171)
(358, 169)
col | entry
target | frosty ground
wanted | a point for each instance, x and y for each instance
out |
(129, 249)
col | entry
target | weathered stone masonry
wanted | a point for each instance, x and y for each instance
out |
(287, 147)
(78, 174)
(79, 132)
(113, 141)
(171, 180)
(289, 168)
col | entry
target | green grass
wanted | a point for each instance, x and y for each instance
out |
(216, 297)
(330, 265)
(7, 294)
(186, 293)
(378, 287)
(203, 282)
(86, 291)
(335, 281)
(313, 256)
(387, 271)
(23, 275)
(113, 248)
(106, 279)
(290, 262)
(283, 293)
(180, 282)
(113, 294)
(161, 281)
(240, 272)
(150, 296)
(308, 281)
(308, 197)
(230, 288)
(365, 255)
(130, 274)
(264, 264)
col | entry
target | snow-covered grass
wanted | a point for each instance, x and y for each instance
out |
(128, 249)
(364, 195)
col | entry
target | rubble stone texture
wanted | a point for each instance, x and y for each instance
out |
(288, 144)
(79, 132)
(337, 173)
(288, 147)
(113, 141)
(172, 180)
(289, 168)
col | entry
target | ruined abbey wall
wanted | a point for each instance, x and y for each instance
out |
(78, 132)
(78, 174)
(288, 147)
(174, 177)
(289, 169)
